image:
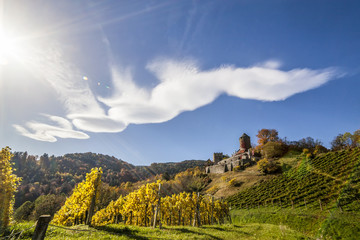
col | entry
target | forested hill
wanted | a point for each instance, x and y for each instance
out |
(59, 174)
(170, 168)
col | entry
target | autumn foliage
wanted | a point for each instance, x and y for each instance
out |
(138, 208)
(267, 135)
(77, 206)
(8, 185)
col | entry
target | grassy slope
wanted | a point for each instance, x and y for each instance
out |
(309, 222)
(226, 231)
(219, 186)
(332, 178)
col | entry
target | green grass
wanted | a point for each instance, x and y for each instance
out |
(226, 231)
(314, 224)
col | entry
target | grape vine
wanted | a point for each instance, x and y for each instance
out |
(77, 207)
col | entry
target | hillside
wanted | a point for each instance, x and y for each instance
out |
(59, 174)
(171, 168)
(220, 185)
(332, 178)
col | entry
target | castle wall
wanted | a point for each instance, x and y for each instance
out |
(229, 166)
(215, 169)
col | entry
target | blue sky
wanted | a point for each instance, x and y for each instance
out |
(160, 81)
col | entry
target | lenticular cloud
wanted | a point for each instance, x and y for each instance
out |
(182, 86)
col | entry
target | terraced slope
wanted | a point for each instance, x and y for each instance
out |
(332, 178)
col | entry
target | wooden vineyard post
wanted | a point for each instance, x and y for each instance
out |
(157, 211)
(179, 220)
(152, 214)
(41, 227)
(321, 208)
(229, 215)
(197, 220)
(292, 204)
(145, 217)
(222, 211)
(212, 210)
(92, 204)
(305, 203)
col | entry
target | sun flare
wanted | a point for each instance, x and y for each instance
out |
(11, 48)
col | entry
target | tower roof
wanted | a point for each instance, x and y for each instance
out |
(244, 135)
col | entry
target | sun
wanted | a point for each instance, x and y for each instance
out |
(11, 48)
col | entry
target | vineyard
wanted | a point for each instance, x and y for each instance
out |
(143, 207)
(331, 179)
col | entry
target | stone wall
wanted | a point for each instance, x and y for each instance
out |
(227, 164)
(215, 169)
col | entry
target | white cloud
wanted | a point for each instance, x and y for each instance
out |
(49, 133)
(182, 86)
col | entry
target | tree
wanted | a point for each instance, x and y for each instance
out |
(356, 138)
(338, 143)
(165, 176)
(320, 149)
(44, 161)
(267, 135)
(23, 213)
(274, 149)
(268, 166)
(309, 143)
(48, 205)
(347, 139)
(8, 185)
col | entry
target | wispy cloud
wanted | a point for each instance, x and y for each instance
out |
(183, 86)
(60, 127)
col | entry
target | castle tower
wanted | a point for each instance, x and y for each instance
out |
(244, 142)
(217, 157)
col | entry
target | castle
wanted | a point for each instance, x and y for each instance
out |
(240, 158)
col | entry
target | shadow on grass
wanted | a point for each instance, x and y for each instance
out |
(121, 232)
(184, 230)
(237, 226)
(216, 228)
(235, 230)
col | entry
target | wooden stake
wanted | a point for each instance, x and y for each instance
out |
(157, 211)
(41, 227)
(92, 204)
(212, 210)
